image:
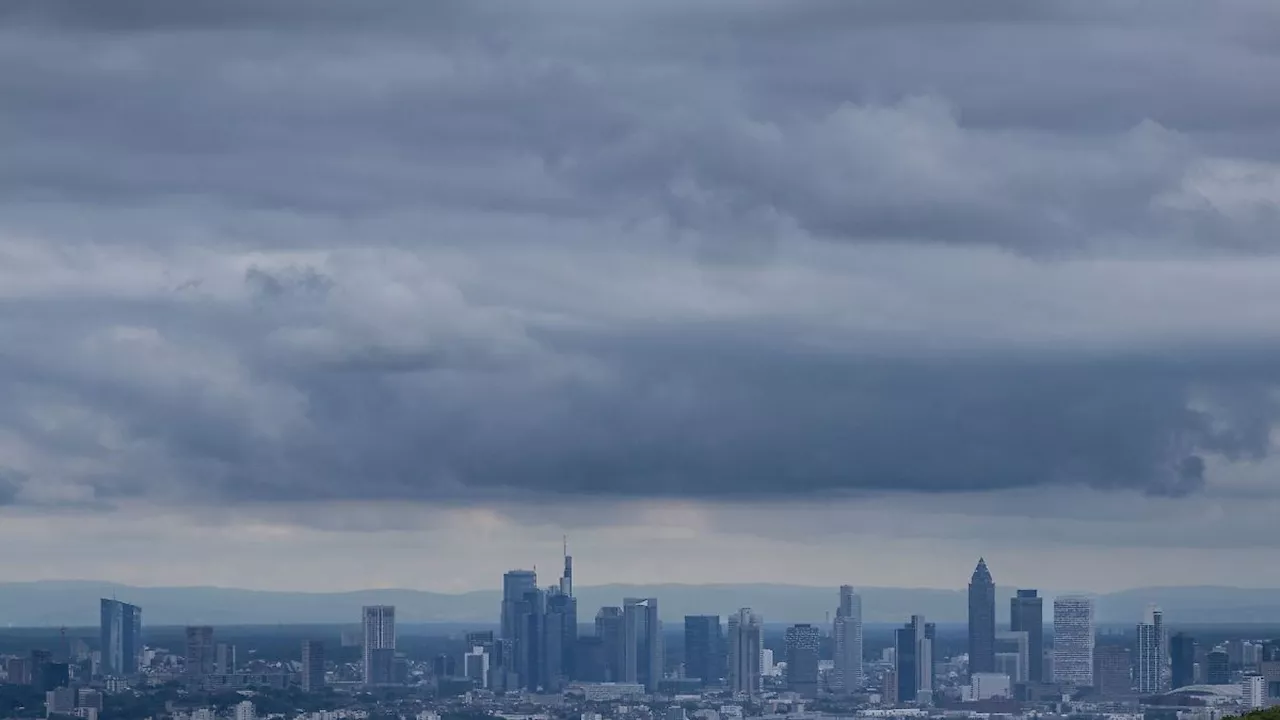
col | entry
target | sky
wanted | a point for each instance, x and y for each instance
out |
(327, 295)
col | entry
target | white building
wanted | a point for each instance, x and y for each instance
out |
(379, 624)
(1149, 661)
(847, 633)
(245, 711)
(1073, 637)
(1253, 691)
(985, 686)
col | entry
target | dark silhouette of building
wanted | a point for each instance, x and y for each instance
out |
(1182, 656)
(515, 584)
(982, 620)
(703, 649)
(590, 664)
(802, 642)
(530, 631)
(444, 665)
(200, 651)
(120, 633)
(913, 650)
(1218, 671)
(1112, 665)
(1026, 614)
(610, 629)
(46, 675)
(381, 667)
(312, 665)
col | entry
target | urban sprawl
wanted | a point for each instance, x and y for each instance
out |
(543, 661)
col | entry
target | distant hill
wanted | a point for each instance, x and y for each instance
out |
(75, 603)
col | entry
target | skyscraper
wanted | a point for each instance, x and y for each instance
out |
(530, 639)
(224, 658)
(1182, 658)
(121, 636)
(1111, 671)
(982, 620)
(515, 583)
(610, 630)
(1149, 652)
(379, 629)
(802, 643)
(847, 633)
(642, 642)
(1026, 614)
(1073, 638)
(312, 665)
(1218, 669)
(913, 657)
(200, 651)
(745, 646)
(562, 611)
(703, 643)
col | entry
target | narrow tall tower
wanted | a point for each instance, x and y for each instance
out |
(566, 580)
(982, 620)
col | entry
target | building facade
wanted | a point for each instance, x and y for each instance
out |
(847, 636)
(1149, 653)
(200, 660)
(1073, 640)
(1026, 614)
(642, 642)
(802, 643)
(378, 625)
(982, 620)
(121, 636)
(746, 645)
(704, 649)
(313, 666)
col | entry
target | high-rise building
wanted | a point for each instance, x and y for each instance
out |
(746, 645)
(313, 666)
(1182, 660)
(846, 632)
(1218, 671)
(611, 631)
(378, 623)
(642, 642)
(475, 666)
(224, 658)
(200, 651)
(802, 643)
(562, 622)
(1026, 614)
(245, 711)
(1073, 638)
(1013, 657)
(1149, 653)
(1111, 671)
(530, 639)
(1253, 692)
(121, 636)
(982, 620)
(703, 649)
(913, 653)
(515, 583)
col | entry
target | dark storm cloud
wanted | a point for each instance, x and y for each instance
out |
(462, 251)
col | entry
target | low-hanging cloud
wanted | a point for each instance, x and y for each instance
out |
(446, 254)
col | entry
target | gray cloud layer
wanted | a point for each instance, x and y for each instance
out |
(459, 251)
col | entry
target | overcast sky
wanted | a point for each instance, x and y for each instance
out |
(311, 294)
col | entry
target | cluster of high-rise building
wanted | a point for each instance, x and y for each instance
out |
(539, 646)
